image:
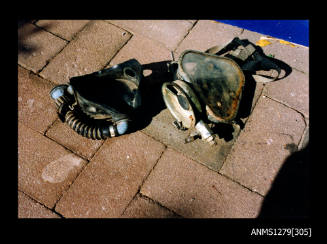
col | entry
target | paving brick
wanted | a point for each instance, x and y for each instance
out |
(143, 50)
(296, 57)
(34, 50)
(64, 28)
(270, 135)
(206, 34)
(112, 177)
(35, 107)
(193, 191)
(28, 208)
(293, 90)
(64, 135)
(91, 50)
(45, 169)
(141, 207)
(162, 129)
(168, 32)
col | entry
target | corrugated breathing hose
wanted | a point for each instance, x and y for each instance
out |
(80, 122)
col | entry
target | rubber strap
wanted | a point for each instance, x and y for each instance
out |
(251, 59)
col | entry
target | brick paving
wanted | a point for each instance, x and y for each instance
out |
(149, 173)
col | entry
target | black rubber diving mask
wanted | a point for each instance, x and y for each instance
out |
(103, 103)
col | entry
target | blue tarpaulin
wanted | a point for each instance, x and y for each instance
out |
(296, 31)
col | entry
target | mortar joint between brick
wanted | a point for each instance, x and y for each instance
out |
(145, 178)
(48, 128)
(106, 64)
(152, 137)
(240, 184)
(132, 33)
(50, 59)
(96, 150)
(300, 144)
(152, 169)
(304, 117)
(194, 159)
(36, 25)
(42, 204)
(75, 153)
(76, 34)
(68, 187)
(187, 33)
(226, 176)
(120, 27)
(301, 71)
(41, 133)
(159, 204)
(59, 214)
(37, 74)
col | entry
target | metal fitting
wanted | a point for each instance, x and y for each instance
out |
(205, 132)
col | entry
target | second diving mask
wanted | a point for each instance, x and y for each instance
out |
(208, 86)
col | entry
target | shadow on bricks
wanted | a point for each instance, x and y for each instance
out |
(150, 88)
(253, 59)
(24, 32)
(289, 195)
